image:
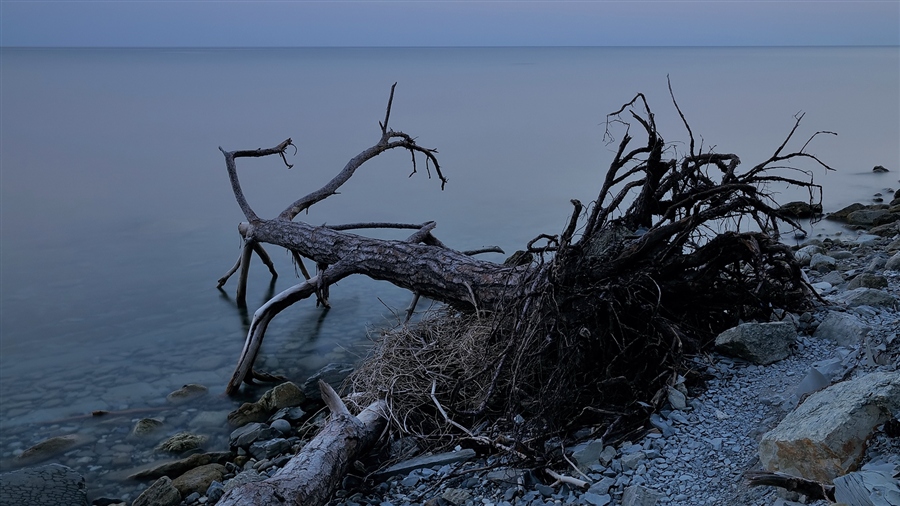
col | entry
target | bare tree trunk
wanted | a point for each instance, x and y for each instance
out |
(312, 476)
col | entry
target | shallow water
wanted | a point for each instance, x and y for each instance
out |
(117, 217)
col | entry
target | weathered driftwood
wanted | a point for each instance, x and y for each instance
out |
(311, 477)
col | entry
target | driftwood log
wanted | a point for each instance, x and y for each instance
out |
(312, 476)
(593, 321)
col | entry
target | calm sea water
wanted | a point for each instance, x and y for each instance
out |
(117, 217)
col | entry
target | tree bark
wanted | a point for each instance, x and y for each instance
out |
(311, 477)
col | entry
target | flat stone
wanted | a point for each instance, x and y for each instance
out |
(49, 485)
(893, 263)
(822, 263)
(596, 499)
(842, 214)
(248, 412)
(866, 217)
(875, 488)
(587, 454)
(868, 297)
(284, 395)
(637, 495)
(440, 459)
(175, 468)
(187, 393)
(182, 442)
(145, 427)
(161, 493)
(52, 447)
(804, 255)
(456, 496)
(866, 280)
(197, 480)
(760, 343)
(842, 329)
(248, 434)
(825, 436)
(268, 449)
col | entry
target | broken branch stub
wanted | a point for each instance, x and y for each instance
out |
(311, 477)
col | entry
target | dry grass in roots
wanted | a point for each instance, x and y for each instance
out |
(436, 352)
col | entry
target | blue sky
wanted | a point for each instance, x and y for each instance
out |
(214, 23)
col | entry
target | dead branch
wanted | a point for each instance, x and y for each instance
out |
(312, 476)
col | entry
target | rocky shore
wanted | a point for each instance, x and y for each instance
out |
(753, 411)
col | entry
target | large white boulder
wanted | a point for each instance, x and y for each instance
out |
(825, 437)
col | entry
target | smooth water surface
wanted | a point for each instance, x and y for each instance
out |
(117, 216)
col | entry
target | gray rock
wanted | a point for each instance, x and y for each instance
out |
(49, 485)
(457, 496)
(893, 263)
(631, 460)
(333, 374)
(52, 447)
(145, 427)
(161, 493)
(602, 487)
(822, 263)
(867, 239)
(198, 479)
(677, 399)
(842, 214)
(841, 328)
(294, 414)
(825, 437)
(178, 467)
(182, 442)
(244, 436)
(427, 461)
(868, 297)
(282, 426)
(760, 343)
(867, 488)
(866, 280)
(659, 423)
(588, 453)
(834, 278)
(268, 449)
(879, 168)
(284, 395)
(187, 393)
(805, 254)
(866, 217)
(639, 496)
(215, 491)
(801, 209)
(596, 499)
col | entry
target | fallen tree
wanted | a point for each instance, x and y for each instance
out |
(580, 327)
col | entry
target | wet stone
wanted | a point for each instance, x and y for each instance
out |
(181, 442)
(268, 449)
(49, 485)
(187, 393)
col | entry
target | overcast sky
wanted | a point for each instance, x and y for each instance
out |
(215, 23)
